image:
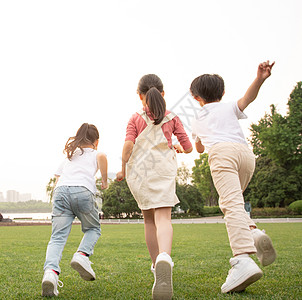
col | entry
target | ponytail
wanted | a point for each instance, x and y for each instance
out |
(151, 86)
(87, 134)
(156, 104)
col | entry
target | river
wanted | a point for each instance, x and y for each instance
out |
(33, 216)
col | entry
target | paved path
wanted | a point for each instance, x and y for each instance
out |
(207, 220)
(221, 220)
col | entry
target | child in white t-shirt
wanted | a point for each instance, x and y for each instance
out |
(217, 130)
(74, 196)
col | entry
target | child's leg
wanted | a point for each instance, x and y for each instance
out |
(150, 234)
(163, 286)
(245, 177)
(225, 162)
(61, 225)
(162, 217)
(85, 207)
(158, 231)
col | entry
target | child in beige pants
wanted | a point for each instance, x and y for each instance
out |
(232, 164)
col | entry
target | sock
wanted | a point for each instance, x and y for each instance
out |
(83, 253)
(242, 255)
(56, 272)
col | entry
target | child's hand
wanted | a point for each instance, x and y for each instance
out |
(104, 185)
(264, 70)
(120, 176)
(178, 148)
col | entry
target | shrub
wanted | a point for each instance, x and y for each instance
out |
(269, 212)
(211, 210)
(296, 207)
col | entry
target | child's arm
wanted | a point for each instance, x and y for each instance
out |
(103, 166)
(264, 71)
(127, 150)
(56, 181)
(185, 145)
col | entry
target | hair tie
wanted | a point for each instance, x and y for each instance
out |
(152, 86)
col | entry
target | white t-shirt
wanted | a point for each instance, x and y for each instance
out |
(217, 122)
(80, 170)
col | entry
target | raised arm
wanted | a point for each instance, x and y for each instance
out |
(264, 71)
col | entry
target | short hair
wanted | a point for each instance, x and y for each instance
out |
(209, 87)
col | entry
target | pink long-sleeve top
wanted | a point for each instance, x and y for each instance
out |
(137, 124)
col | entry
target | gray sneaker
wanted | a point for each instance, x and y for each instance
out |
(244, 272)
(265, 250)
(50, 283)
(82, 264)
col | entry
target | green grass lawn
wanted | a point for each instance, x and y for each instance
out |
(122, 264)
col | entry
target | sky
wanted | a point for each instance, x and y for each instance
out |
(63, 63)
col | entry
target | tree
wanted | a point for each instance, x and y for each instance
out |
(202, 178)
(190, 198)
(50, 187)
(279, 139)
(118, 200)
(271, 185)
(183, 174)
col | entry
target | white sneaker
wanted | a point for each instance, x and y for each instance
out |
(152, 270)
(163, 287)
(82, 264)
(265, 250)
(50, 283)
(244, 272)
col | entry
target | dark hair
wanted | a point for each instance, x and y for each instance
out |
(208, 87)
(151, 86)
(86, 134)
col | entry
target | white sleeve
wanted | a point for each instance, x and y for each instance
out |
(194, 133)
(60, 168)
(240, 114)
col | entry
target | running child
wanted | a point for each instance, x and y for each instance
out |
(217, 130)
(150, 167)
(74, 196)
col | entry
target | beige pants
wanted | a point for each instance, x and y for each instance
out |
(232, 166)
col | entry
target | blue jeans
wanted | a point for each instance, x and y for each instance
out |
(70, 202)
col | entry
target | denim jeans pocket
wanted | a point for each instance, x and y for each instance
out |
(85, 202)
(58, 208)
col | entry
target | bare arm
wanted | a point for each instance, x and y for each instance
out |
(56, 181)
(264, 71)
(103, 166)
(127, 150)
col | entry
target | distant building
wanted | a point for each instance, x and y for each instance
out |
(12, 196)
(1, 197)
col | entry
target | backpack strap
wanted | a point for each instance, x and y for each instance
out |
(168, 118)
(143, 114)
